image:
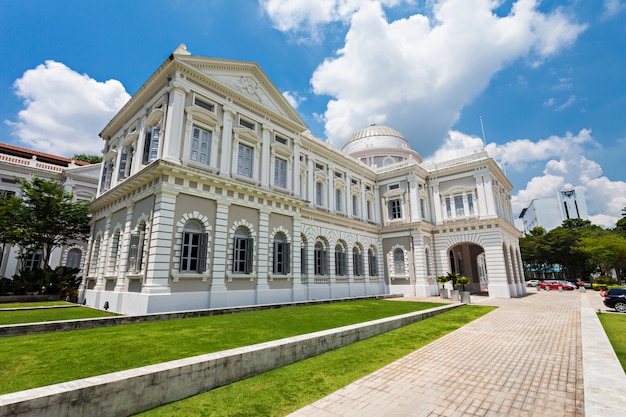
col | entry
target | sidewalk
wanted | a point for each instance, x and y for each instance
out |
(541, 355)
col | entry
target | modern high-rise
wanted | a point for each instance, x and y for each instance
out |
(550, 212)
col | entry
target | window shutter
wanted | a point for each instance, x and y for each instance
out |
(275, 267)
(324, 258)
(249, 254)
(146, 147)
(203, 247)
(132, 252)
(287, 258)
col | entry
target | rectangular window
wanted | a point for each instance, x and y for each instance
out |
(135, 252)
(321, 261)
(371, 263)
(242, 255)
(280, 173)
(448, 208)
(369, 210)
(244, 161)
(193, 254)
(340, 263)
(121, 170)
(470, 204)
(398, 262)
(281, 258)
(458, 206)
(395, 209)
(355, 205)
(151, 145)
(247, 124)
(282, 140)
(422, 208)
(319, 194)
(338, 200)
(303, 261)
(31, 261)
(205, 105)
(200, 146)
(107, 173)
(357, 263)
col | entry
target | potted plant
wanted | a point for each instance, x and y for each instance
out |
(454, 293)
(463, 281)
(442, 279)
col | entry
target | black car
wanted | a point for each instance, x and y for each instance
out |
(616, 298)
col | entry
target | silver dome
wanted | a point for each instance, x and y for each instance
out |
(378, 140)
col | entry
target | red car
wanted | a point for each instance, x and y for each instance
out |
(556, 285)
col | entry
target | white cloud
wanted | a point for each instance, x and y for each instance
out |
(564, 166)
(293, 98)
(64, 110)
(613, 7)
(417, 73)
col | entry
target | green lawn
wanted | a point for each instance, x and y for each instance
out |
(49, 314)
(614, 325)
(284, 390)
(43, 359)
(34, 304)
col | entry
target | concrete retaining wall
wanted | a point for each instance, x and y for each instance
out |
(133, 391)
(80, 324)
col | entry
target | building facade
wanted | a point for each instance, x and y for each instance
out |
(79, 178)
(213, 193)
(550, 212)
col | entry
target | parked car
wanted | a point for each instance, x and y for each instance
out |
(532, 283)
(583, 284)
(553, 284)
(616, 298)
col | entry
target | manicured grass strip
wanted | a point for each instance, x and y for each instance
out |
(614, 325)
(43, 359)
(284, 390)
(50, 314)
(34, 304)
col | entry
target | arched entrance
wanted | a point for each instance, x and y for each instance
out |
(469, 259)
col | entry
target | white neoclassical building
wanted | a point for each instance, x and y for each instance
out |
(213, 193)
(79, 178)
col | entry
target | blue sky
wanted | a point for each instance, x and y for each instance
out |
(547, 77)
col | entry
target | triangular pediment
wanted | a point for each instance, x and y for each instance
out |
(246, 79)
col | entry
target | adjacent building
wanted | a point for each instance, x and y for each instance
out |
(550, 212)
(79, 178)
(213, 193)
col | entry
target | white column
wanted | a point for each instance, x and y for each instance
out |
(264, 262)
(227, 142)
(311, 182)
(436, 204)
(173, 126)
(266, 163)
(295, 174)
(414, 198)
(124, 247)
(103, 260)
(220, 256)
(160, 244)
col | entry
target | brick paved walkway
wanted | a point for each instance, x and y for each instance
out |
(523, 359)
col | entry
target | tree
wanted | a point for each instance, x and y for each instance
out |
(8, 205)
(46, 218)
(608, 251)
(92, 159)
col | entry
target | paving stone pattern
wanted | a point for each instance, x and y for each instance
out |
(523, 359)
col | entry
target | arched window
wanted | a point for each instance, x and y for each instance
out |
(73, 258)
(95, 255)
(399, 266)
(321, 259)
(357, 262)
(116, 243)
(194, 248)
(282, 255)
(243, 247)
(371, 263)
(340, 261)
(136, 249)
